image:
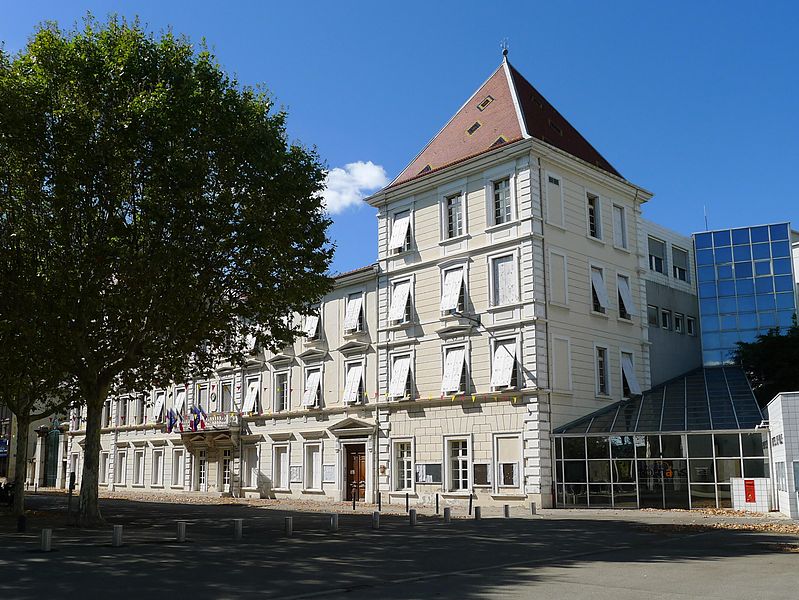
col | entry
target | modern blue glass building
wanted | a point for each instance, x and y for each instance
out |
(746, 286)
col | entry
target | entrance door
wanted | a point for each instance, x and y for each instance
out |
(356, 472)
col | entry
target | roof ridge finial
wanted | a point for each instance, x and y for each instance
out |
(504, 45)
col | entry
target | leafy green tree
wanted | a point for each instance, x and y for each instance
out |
(770, 362)
(177, 217)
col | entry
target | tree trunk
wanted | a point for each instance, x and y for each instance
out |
(20, 463)
(89, 512)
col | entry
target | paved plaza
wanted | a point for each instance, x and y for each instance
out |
(557, 553)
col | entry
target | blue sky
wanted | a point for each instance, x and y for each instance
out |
(695, 101)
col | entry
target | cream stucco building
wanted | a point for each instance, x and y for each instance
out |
(509, 298)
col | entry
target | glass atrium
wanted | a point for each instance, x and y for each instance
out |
(746, 286)
(675, 446)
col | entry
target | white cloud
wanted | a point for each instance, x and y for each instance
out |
(348, 186)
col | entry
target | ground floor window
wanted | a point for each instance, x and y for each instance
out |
(508, 459)
(138, 467)
(227, 459)
(103, 475)
(120, 467)
(177, 468)
(158, 467)
(403, 465)
(313, 466)
(458, 460)
(202, 471)
(280, 467)
(251, 466)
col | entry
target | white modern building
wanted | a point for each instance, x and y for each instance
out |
(783, 444)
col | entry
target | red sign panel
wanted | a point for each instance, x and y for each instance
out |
(749, 490)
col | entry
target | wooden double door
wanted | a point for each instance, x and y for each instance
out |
(356, 472)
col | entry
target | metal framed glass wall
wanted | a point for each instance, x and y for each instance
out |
(675, 470)
(745, 284)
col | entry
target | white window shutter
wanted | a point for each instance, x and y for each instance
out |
(503, 365)
(453, 280)
(629, 374)
(399, 300)
(311, 324)
(399, 232)
(599, 287)
(353, 383)
(251, 397)
(159, 406)
(180, 398)
(626, 295)
(618, 227)
(353, 313)
(311, 388)
(399, 376)
(453, 370)
(505, 284)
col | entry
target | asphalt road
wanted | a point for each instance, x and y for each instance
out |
(603, 556)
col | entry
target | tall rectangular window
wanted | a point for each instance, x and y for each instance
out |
(251, 469)
(141, 410)
(313, 467)
(226, 396)
(227, 462)
(458, 451)
(594, 216)
(679, 323)
(400, 309)
(353, 316)
(252, 396)
(311, 328)
(453, 206)
(122, 411)
(505, 289)
(107, 414)
(599, 292)
(629, 381)
(312, 397)
(281, 391)
(177, 468)
(120, 468)
(626, 308)
(504, 366)
(403, 465)
(455, 375)
(619, 227)
(602, 372)
(353, 386)
(554, 200)
(103, 474)
(158, 467)
(400, 240)
(502, 201)
(280, 467)
(400, 383)
(652, 315)
(657, 255)
(665, 319)
(201, 399)
(679, 261)
(453, 293)
(690, 326)
(507, 461)
(138, 467)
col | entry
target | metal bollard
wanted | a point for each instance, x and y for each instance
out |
(436, 503)
(447, 514)
(238, 528)
(116, 537)
(376, 520)
(181, 532)
(477, 513)
(412, 517)
(506, 511)
(532, 508)
(47, 540)
(334, 522)
(289, 526)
